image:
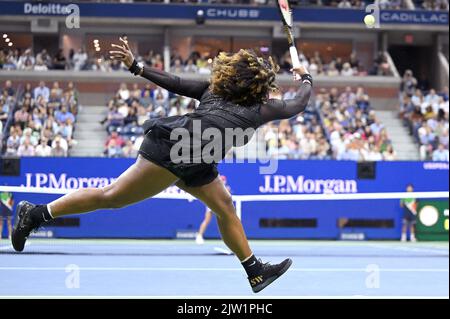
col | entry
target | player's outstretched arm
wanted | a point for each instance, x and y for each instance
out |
(170, 82)
(283, 109)
(175, 84)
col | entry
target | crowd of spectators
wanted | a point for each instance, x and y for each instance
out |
(393, 4)
(79, 60)
(425, 113)
(297, 138)
(43, 61)
(338, 66)
(433, 5)
(128, 110)
(42, 119)
(301, 137)
(352, 127)
(339, 126)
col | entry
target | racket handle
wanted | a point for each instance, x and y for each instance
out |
(294, 56)
(295, 60)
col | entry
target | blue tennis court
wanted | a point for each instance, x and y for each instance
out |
(179, 268)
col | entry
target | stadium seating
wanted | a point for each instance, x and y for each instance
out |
(38, 121)
(79, 60)
(425, 113)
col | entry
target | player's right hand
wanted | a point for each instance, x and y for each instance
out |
(298, 72)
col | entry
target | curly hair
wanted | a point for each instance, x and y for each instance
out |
(243, 78)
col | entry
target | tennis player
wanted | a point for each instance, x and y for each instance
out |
(235, 97)
(409, 206)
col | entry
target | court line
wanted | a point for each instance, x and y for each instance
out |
(10, 247)
(441, 251)
(223, 269)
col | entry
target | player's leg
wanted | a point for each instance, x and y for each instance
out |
(206, 221)
(412, 232)
(203, 226)
(404, 229)
(219, 200)
(9, 224)
(141, 180)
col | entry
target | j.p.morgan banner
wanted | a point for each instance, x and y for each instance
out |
(291, 177)
(179, 11)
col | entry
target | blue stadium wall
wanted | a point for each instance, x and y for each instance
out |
(163, 218)
(217, 12)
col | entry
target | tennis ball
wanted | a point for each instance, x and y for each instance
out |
(369, 20)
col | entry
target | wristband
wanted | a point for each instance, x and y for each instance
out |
(136, 68)
(307, 78)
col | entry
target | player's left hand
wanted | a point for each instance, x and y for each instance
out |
(123, 53)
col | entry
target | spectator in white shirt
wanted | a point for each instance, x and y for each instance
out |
(417, 98)
(58, 150)
(432, 97)
(442, 104)
(40, 66)
(345, 4)
(44, 57)
(58, 140)
(389, 154)
(376, 127)
(347, 69)
(123, 93)
(43, 149)
(160, 96)
(190, 67)
(42, 90)
(441, 154)
(79, 59)
(28, 135)
(26, 149)
(26, 61)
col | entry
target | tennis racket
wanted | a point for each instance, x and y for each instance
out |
(286, 18)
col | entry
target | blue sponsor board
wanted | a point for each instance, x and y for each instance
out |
(162, 218)
(178, 11)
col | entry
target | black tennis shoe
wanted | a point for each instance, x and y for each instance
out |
(23, 226)
(268, 274)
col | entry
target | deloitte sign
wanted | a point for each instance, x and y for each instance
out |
(71, 11)
(46, 9)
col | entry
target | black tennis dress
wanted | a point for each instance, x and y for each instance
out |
(190, 146)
